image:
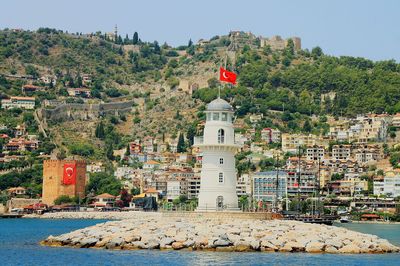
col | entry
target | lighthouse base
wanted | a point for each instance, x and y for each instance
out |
(205, 209)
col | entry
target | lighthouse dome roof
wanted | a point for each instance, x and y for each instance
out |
(219, 105)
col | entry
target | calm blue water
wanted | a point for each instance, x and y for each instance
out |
(19, 246)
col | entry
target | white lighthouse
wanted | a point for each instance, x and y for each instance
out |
(218, 172)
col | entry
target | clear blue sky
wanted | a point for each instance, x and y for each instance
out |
(340, 27)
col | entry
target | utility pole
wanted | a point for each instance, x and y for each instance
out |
(298, 179)
(319, 185)
(277, 182)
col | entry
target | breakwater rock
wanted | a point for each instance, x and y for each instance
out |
(221, 235)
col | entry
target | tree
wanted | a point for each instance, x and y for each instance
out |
(79, 81)
(104, 183)
(307, 126)
(135, 191)
(316, 52)
(119, 40)
(61, 155)
(110, 152)
(63, 199)
(157, 48)
(128, 150)
(212, 82)
(125, 197)
(31, 70)
(135, 39)
(126, 40)
(181, 143)
(190, 43)
(99, 132)
(190, 50)
(191, 133)
(290, 48)
(82, 149)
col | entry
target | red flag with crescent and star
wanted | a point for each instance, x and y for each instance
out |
(69, 177)
(227, 76)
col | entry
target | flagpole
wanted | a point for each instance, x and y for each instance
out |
(220, 83)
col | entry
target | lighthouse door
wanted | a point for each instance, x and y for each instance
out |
(220, 203)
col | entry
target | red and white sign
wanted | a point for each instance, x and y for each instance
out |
(69, 177)
(225, 75)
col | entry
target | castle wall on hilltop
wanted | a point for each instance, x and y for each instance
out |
(75, 111)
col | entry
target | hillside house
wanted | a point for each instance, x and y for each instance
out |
(21, 144)
(271, 135)
(79, 92)
(18, 102)
(32, 88)
(104, 200)
(151, 165)
(16, 191)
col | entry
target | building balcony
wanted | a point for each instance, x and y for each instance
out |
(198, 140)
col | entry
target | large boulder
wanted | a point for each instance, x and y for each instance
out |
(350, 248)
(315, 247)
(221, 243)
(178, 245)
(166, 241)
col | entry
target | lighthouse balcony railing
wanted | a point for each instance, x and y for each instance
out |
(200, 140)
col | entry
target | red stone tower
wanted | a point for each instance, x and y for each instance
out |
(63, 177)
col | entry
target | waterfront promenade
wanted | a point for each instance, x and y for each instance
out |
(144, 215)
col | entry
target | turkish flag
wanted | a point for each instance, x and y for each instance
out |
(69, 177)
(225, 75)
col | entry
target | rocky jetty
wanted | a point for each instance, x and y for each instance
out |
(221, 235)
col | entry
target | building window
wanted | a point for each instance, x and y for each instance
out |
(221, 136)
(215, 116)
(224, 117)
(221, 178)
(221, 160)
(208, 116)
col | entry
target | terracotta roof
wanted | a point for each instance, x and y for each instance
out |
(79, 89)
(105, 196)
(23, 98)
(31, 86)
(152, 162)
(370, 215)
(15, 188)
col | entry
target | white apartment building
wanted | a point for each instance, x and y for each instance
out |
(390, 186)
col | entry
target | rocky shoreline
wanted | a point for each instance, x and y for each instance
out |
(151, 232)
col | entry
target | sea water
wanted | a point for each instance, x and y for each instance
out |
(19, 245)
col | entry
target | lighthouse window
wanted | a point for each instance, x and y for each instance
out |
(215, 116)
(221, 178)
(224, 117)
(221, 136)
(221, 160)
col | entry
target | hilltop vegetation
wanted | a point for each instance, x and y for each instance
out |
(294, 83)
